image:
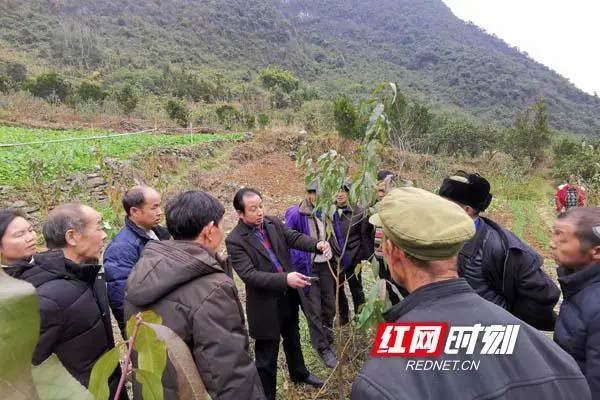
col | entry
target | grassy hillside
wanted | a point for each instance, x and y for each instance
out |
(421, 43)
(342, 46)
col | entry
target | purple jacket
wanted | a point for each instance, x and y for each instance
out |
(296, 218)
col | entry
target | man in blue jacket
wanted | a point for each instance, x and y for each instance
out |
(576, 249)
(142, 206)
(318, 299)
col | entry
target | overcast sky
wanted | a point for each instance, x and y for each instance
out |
(562, 34)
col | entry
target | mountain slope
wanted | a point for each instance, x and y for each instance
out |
(343, 46)
(448, 60)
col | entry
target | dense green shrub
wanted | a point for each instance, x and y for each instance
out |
(273, 78)
(127, 99)
(178, 112)
(531, 135)
(346, 118)
(580, 161)
(90, 92)
(51, 87)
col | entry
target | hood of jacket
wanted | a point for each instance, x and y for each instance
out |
(52, 265)
(165, 266)
(574, 281)
(306, 207)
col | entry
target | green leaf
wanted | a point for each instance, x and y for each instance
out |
(152, 388)
(190, 385)
(374, 293)
(152, 353)
(359, 267)
(147, 316)
(19, 331)
(375, 266)
(103, 369)
(107, 226)
(53, 382)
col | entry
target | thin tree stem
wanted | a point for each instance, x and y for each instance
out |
(126, 370)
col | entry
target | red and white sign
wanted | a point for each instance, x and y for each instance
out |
(431, 339)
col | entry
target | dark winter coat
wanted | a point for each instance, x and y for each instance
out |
(252, 263)
(578, 326)
(191, 289)
(537, 369)
(507, 272)
(359, 237)
(119, 258)
(74, 312)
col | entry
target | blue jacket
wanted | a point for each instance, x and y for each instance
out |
(120, 257)
(296, 218)
(577, 328)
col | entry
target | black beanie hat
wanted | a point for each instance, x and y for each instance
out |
(469, 189)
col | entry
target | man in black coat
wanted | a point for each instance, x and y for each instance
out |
(576, 249)
(496, 263)
(74, 311)
(486, 352)
(258, 251)
(352, 237)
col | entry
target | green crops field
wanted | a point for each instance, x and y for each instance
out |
(63, 158)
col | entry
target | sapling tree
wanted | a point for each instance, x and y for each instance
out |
(331, 170)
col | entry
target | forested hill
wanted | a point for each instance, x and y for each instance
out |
(341, 46)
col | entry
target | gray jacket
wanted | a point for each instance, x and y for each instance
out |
(537, 369)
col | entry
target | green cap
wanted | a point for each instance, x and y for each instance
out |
(424, 225)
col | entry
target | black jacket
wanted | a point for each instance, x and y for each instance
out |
(357, 230)
(537, 369)
(74, 312)
(578, 326)
(190, 289)
(507, 272)
(252, 263)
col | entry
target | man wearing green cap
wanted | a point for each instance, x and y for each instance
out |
(423, 235)
(496, 263)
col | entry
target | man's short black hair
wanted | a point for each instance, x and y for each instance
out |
(188, 213)
(587, 225)
(7, 216)
(238, 199)
(60, 220)
(134, 197)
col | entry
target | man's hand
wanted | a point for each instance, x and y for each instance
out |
(297, 280)
(324, 247)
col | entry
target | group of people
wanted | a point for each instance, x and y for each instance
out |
(441, 259)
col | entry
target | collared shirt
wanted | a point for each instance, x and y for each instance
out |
(263, 238)
(152, 235)
(150, 232)
(320, 258)
(477, 222)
